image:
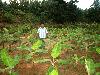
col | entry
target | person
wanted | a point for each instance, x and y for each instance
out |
(42, 32)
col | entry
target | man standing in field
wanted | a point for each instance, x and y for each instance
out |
(42, 32)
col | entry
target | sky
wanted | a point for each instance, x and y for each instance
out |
(83, 4)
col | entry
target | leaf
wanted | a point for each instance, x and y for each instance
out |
(13, 73)
(7, 60)
(56, 50)
(98, 50)
(6, 30)
(98, 73)
(97, 65)
(90, 66)
(52, 71)
(37, 44)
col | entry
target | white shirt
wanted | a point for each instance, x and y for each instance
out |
(42, 32)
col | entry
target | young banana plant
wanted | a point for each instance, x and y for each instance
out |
(54, 54)
(8, 61)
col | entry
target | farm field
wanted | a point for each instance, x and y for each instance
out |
(70, 50)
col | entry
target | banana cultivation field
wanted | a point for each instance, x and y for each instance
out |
(70, 50)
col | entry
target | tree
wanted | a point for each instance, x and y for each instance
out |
(96, 3)
(93, 14)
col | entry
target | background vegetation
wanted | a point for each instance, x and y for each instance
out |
(56, 11)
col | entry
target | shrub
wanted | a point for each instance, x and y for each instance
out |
(9, 17)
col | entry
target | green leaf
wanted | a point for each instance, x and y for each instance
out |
(97, 65)
(52, 71)
(37, 44)
(98, 73)
(98, 50)
(7, 60)
(56, 50)
(13, 73)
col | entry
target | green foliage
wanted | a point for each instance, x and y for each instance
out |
(7, 37)
(52, 71)
(13, 73)
(58, 11)
(8, 60)
(98, 50)
(97, 65)
(98, 73)
(37, 44)
(56, 50)
(90, 66)
(9, 17)
(23, 47)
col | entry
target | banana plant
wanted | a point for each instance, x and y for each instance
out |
(35, 48)
(56, 50)
(7, 37)
(54, 54)
(8, 61)
(37, 44)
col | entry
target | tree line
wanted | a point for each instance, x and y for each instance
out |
(57, 11)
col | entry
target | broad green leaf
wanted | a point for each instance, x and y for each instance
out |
(52, 71)
(98, 50)
(7, 60)
(37, 44)
(56, 50)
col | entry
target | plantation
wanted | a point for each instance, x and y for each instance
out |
(67, 50)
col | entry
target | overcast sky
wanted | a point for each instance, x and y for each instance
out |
(82, 3)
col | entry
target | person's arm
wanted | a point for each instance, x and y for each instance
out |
(46, 31)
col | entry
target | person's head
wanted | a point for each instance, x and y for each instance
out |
(42, 25)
